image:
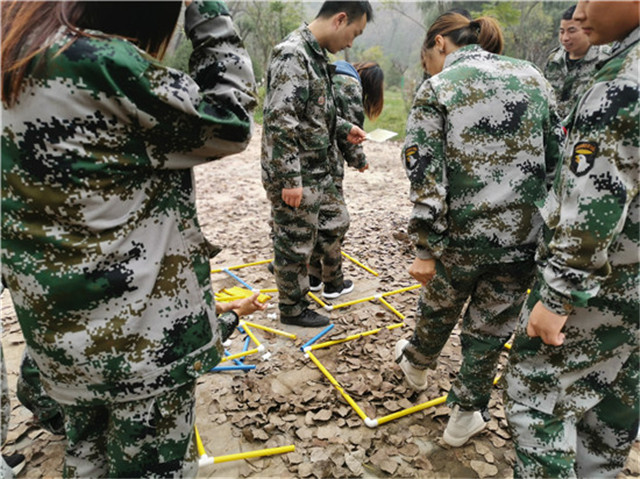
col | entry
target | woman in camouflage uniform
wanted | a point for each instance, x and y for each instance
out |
(102, 250)
(481, 141)
(572, 398)
(359, 90)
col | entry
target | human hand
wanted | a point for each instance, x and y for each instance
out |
(546, 324)
(292, 196)
(364, 168)
(187, 2)
(423, 270)
(245, 306)
(356, 135)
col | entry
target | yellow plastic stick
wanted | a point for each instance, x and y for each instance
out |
(269, 290)
(393, 310)
(317, 300)
(402, 290)
(507, 345)
(244, 326)
(355, 301)
(354, 336)
(255, 263)
(359, 263)
(336, 384)
(271, 330)
(411, 410)
(240, 355)
(201, 451)
(250, 454)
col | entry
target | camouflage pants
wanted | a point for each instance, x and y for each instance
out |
(148, 438)
(326, 259)
(32, 395)
(495, 294)
(295, 232)
(573, 410)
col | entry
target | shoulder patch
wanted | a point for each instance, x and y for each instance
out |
(583, 158)
(411, 156)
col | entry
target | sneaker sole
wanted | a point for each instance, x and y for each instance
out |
(459, 441)
(337, 294)
(315, 289)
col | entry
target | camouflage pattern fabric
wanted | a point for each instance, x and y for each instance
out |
(102, 250)
(326, 259)
(32, 395)
(481, 145)
(589, 271)
(497, 292)
(150, 438)
(298, 150)
(571, 81)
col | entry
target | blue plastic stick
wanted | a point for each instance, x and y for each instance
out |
(237, 361)
(316, 337)
(237, 279)
(244, 367)
(247, 340)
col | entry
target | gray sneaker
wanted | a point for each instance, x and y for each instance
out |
(462, 426)
(417, 378)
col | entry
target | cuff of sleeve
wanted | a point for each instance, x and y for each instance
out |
(228, 322)
(293, 182)
(344, 129)
(423, 253)
(554, 302)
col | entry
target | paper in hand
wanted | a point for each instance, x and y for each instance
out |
(379, 135)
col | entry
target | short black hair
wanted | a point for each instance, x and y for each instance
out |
(568, 13)
(354, 10)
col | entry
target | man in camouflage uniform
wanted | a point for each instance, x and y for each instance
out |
(571, 66)
(481, 139)
(299, 131)
(101, 247)
(572, 396)
(325, 265)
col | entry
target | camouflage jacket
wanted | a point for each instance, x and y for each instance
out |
(101, 247)
(482, 142)
(300, 123)
(348, 92)
(592, 213)
(567, 83)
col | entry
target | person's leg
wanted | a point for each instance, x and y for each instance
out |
(607, 431)
(5, 413)
(488, 323)
(154, 437)
(86, 428)
(294, 237)
(333, 224)
(32, 395)
(439, 308)
(544, 444)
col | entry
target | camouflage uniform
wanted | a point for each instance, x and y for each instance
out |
(102, 250)
(482, 139)
(325, 263)
(574, 408)
(571, 79)
(299, 130)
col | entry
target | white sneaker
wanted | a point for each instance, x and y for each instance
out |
(462, 426)
(417, 378)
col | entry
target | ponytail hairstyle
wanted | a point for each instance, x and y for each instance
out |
(462, 31)
(28, 28)
(372, 78)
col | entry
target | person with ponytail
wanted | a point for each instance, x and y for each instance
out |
(359, 91)
(101, 246)
(482, 143)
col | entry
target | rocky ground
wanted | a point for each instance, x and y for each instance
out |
(287, 400)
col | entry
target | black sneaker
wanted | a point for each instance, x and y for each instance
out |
(315, 283)
(330, 292)
(15, 461)
(307, 319)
